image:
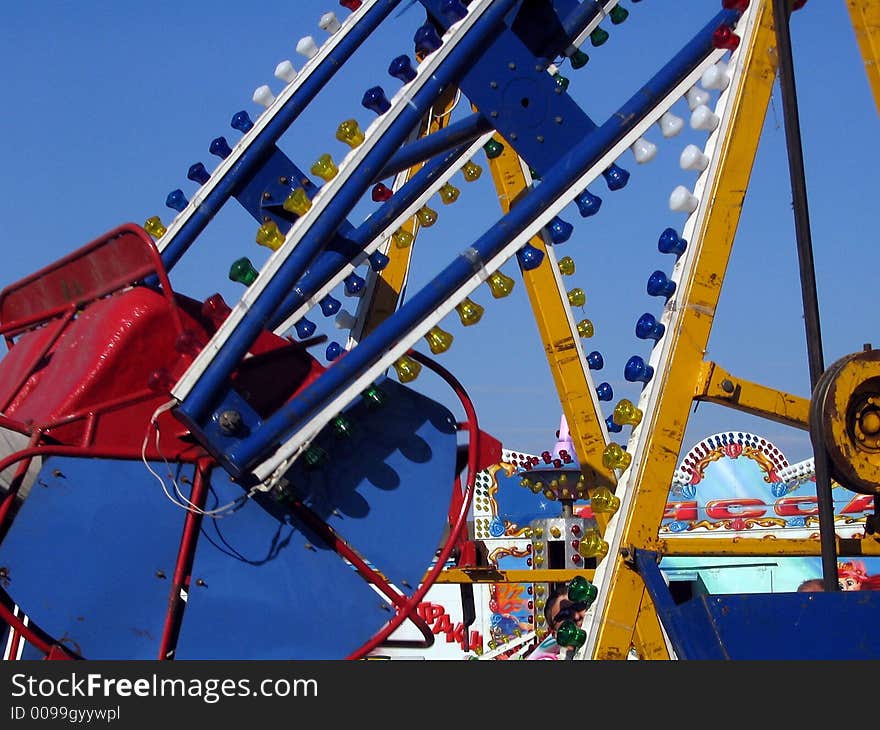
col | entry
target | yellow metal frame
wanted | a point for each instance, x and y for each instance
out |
(626, 617)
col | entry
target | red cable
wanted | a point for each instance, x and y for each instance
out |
(473, 455)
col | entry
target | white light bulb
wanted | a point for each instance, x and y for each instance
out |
(329, 22)
(692, 158)
(682, 200)
(643, 150)
(307, 47)
(670, 125)
(696, 96)
(716, 77)
(263, 96)
(704, 118)
(285, 71)
(345, 320)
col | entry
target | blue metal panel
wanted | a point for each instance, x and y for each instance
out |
(83, 555)
(834, 625)
(273, 589)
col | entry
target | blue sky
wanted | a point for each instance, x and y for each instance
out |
(109, 103)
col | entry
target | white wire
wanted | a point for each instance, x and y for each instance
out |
(185, 504)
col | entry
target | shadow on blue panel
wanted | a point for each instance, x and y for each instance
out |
(265, 586)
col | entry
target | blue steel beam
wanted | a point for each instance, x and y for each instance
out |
(196, 407)
(556, 183)
(261, 148)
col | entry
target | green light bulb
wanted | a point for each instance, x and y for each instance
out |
(243, 271)
(569, 635)
(374, 396)
(618, 14)
(580, 590)
(598, 37)
(493, 148)
(579, 59)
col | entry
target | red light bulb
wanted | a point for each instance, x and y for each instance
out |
(724, 37)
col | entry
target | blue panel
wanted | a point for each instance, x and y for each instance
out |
(83, 555)
(273, 590)
(833, 625)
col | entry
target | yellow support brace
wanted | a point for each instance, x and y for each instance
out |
(613, 625)
(865, 17)
(716, 385)
(559, 336)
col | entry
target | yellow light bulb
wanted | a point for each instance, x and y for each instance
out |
(407, 369)
(602, 500)
(614, 457)
(469, 312)
(585, 328)
(471, 171)
(566, 266)
(592, 545)
(269, 236)
(555, 531)
(402, 238)
(626, 414)
(325, 168)
(350, 133)
(449, 193)
(577, 298)
(500, 285)
(297, 202)
(427, 217)
(154, 227)
(438, 340)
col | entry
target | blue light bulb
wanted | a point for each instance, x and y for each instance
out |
(648, 328)
(198, 173)
(330, 305)
(612, 426)
(560, 230)
(616, 177)
(605, 392)
(334, 350)
(177, 200)
(378, 260)
(220, 147)
(529, 257)
(241, 121)
(354, 285)
(401, 68)
(427, 40)
(660, 286)
(636, 369)
(453, 10)
(305, 328)
(375, 100)
(670, 242)
(588, 204)
(595, 360)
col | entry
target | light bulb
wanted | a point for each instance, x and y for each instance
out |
(438, 340)
(692, 158)
(696, 97)
(307, 47)
(704, 119)
(269, 236)
(285, 71)
(469, 312)
(329, 22)
(325, 168)
(407, 369)
(263, 96)
(682, 200)
(427, 216)
(350, 133)
(626, 414)
(670, 125)
(643, 150)
(716, 77)
(500, 285)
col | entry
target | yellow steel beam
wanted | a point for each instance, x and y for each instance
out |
(762, 547)
(613, 625)
(559, 336)
(649, 641)
(384, 296)
(716, 385)
(865, 18)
